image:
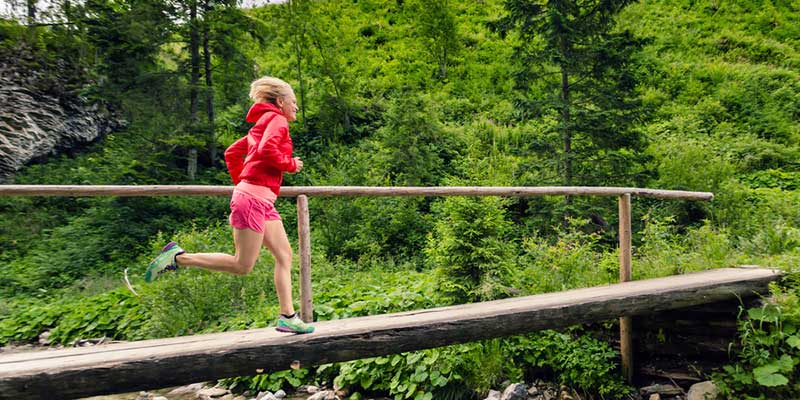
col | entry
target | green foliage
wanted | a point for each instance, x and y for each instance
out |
(575, 70)
(116, 314)
(470, 248)
(271, 382)
(768, 351)
(419, 375)
(575, 358)
(575, 259)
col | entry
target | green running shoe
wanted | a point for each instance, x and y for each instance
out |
(293, 325)
(164, 261)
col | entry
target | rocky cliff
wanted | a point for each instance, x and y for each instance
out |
(39, 118)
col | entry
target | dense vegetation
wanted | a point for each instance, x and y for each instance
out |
(695, 95)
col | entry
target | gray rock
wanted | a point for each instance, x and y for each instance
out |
(655, 396)
(280, 394)
(323, 395)
(516, 391)
(663, 390)
(38, 120)
(212, 393)
(703, 391)
(188, 389)
(311, 389)
(493, 395)
(143, 396)
(44, 338)
(266, 396)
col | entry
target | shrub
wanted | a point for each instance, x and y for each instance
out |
(470, 248)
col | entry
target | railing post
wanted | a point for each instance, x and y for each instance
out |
(625, 323)
(304, 244)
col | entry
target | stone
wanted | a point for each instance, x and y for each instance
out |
(143, 396)
(703, 391)
(213, 393)
(266, 396)
(188, 389)
(516, 391)
(310, 389)
(493, 395)
(663, 390)
(44, 338)
(323, 395)
(533, 390)
(38, 120)
(280, 394)
(655, 396)
(160, 398)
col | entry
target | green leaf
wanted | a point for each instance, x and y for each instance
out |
(785, 363)
(793, 341)
(767, 376)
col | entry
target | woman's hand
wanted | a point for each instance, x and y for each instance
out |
(299, 163)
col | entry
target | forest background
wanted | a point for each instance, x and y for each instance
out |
(690, 95)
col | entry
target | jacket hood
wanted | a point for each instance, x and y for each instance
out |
(259, 109)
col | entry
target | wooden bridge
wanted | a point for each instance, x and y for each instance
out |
(124, 367)
(116, 368)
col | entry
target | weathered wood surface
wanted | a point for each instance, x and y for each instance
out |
(352, 191)
(304, 247)
(124, 367)
(625, 274)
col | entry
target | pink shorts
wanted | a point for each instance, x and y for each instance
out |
(248, 212)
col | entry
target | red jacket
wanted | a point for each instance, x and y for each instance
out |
(265, 153)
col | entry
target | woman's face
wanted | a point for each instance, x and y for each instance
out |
(288, 106)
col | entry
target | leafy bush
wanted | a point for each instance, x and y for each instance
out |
(470, 248)
(572, 259)
(768, 351)
(116, 314)
(422, 375)
(575, 358)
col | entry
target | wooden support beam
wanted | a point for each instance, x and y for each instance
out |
(125, 367)
(348, 191)
(625, 272)
(304, 248)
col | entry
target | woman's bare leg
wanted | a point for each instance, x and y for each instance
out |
(278, 244)
(248, 246)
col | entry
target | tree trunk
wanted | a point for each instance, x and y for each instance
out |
(443, 65)
(302, 87)
(298, 35)
(212, 147)
(31, 12)
(31, 21)
(565, 121)
(194, 47)
(567, 133)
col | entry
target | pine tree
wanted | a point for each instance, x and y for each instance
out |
(574, 68)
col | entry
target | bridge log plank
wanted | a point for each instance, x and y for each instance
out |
(125, 367)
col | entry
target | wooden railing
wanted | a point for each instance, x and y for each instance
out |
(303, 192)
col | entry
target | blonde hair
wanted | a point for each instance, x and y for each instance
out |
(268, 89)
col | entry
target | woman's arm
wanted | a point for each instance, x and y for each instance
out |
(234, 158)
